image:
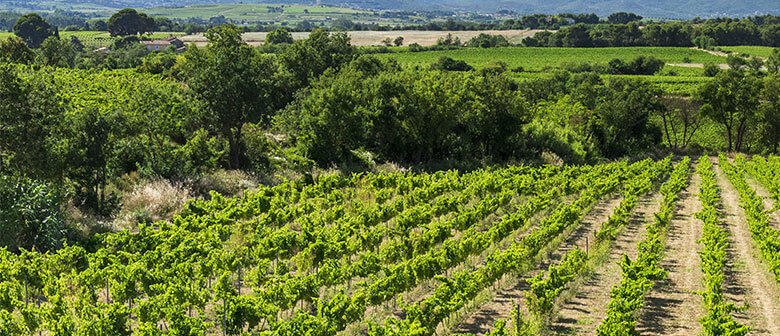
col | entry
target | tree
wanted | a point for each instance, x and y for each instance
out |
(576, 36)
(623, 18)
(735, 62)
(97, 24)
(279, 36)
(769, 112)
(755, 64)
(15, 50)
(704, 42)
(730, 99)
(30, 116)
(234, 82)
(406, 115)
(56, 52)
(448, 64)
(92, 139)
(448, 40)
(77, 45)
(129, 22)
(308, 59)
(399, 41)
(622, 117)
(668, 34)
(33, 29)
(711, 69)
(641, 65)
(681, 120)
(623, 35)
(773, 61)
(488, 41)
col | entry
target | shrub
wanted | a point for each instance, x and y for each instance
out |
(448, 64)
(711, 70)
(488, 41)
(31, 215)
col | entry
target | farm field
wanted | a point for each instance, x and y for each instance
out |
(52, 5)
(751, 50)
(374, 38)
(98, 39)
(537, 59)
(464, 252)
(278, 14)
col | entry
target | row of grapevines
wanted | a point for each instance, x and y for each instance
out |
(765, 236)
(343, 309)
(767, 171)
(627, 297)
(546, 287)
(164, 263)
(713, 259)
(164, 270)
(544, 290)
(455, 293)
(287, 290)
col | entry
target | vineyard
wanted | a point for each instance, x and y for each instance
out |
(501, 251)
(99, 39)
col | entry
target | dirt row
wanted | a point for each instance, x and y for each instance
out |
(673, 306)
(747, 280)
(582, 313)
(481, 320)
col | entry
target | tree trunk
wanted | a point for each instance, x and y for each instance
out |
(741, 133)
(234, 141)
(666, 130)
(728, 134)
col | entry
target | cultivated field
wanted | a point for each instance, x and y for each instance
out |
(576, 250)
(98, 39)
(756, 51)
(374, 38)
(537, 59)
(279, 14)
(48, 6)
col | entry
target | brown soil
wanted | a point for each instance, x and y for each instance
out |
(747, 279)
(672, 307)
(587, 308)
(481, 321)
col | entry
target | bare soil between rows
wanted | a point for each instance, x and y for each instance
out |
(747, 280)
(481, 321)
(673, 307)
(582, 313)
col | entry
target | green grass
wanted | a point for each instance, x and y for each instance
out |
(537, 59)
(751, 50)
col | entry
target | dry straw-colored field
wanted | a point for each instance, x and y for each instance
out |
(372, 38)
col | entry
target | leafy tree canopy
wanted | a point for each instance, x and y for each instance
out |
(33, 29)
(129, 22)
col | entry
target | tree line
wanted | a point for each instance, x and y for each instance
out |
(705, 35)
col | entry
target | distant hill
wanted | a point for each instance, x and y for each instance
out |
(647, 8)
